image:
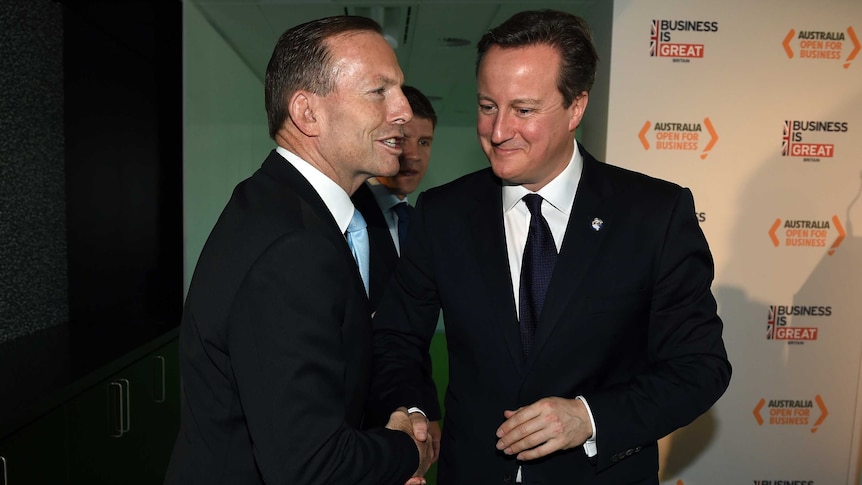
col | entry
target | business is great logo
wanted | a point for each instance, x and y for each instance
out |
(792, 323)
(680, 40)
(812, 140)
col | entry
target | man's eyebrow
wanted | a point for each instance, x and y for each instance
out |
(519, 101)
(527, 101)
(386, 80)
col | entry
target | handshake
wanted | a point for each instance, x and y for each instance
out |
(426, 436)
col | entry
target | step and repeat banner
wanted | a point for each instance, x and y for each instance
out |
(757, 107)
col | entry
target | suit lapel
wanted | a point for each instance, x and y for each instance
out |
(384, 256)
(489, 246)
(315, 214)
(578, 250)
(378, 231)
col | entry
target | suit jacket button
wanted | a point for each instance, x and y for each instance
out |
(637, 449)
(629, 452)
(507, 478)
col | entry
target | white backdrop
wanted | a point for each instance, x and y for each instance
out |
(757, 107)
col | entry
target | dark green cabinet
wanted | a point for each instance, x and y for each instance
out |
(122, 431)
(36, 453)
(118, 429)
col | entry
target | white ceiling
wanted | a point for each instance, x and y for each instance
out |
(419, 27)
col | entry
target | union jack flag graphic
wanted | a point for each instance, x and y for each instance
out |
(786, 138)
(770, 322)
(653, 38)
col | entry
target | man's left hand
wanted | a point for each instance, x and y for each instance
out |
(546, 426)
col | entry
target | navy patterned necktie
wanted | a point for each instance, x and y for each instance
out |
(540, 254)
(403, 212)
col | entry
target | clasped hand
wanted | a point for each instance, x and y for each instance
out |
(548, 425)
(417, 426)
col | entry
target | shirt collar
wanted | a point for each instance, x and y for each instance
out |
(336, 199)
(559, 192)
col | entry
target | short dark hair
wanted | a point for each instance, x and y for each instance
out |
(302, 60)
(420, 104)
(569, 34)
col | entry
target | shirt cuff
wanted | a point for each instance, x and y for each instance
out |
(590, 445)
(417, 410)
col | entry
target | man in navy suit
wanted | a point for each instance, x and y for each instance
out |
(580, 323)
(275, 341)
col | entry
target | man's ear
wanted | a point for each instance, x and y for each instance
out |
(578, 107)
(301, 108)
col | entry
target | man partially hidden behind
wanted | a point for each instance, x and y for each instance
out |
(383, 200)
(579, 319)
(275, 341)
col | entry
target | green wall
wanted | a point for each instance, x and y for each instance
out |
(226, 136)
(225, 133)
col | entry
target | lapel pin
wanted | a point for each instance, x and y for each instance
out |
(597, 224)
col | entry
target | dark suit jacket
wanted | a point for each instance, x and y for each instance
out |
(275, 349)
(629, 322)
(384, 255)
(384, 259)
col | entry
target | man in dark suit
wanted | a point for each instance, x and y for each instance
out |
(576, 298)
(275, 341)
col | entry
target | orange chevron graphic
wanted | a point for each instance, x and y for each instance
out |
(775, 226)
(786, 43)
(823, 412)
(852, 34)
(642, 135)
(712, 140)
(757, 409)
(841, 235)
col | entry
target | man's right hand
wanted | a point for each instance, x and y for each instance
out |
(400, 420)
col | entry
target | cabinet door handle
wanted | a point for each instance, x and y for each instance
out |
(158, 379)
(115, 409)
(3, 475)
(127, 417)
(119, 415)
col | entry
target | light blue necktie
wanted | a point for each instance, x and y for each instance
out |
(357, 239)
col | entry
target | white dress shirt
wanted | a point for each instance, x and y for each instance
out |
(559, 196)
(336, 199)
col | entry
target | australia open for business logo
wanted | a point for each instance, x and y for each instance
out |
(779, 322)
(807, 233)
(822, 45)
(691, 136)
(791, 412)
(807, 139)
(666, 36)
